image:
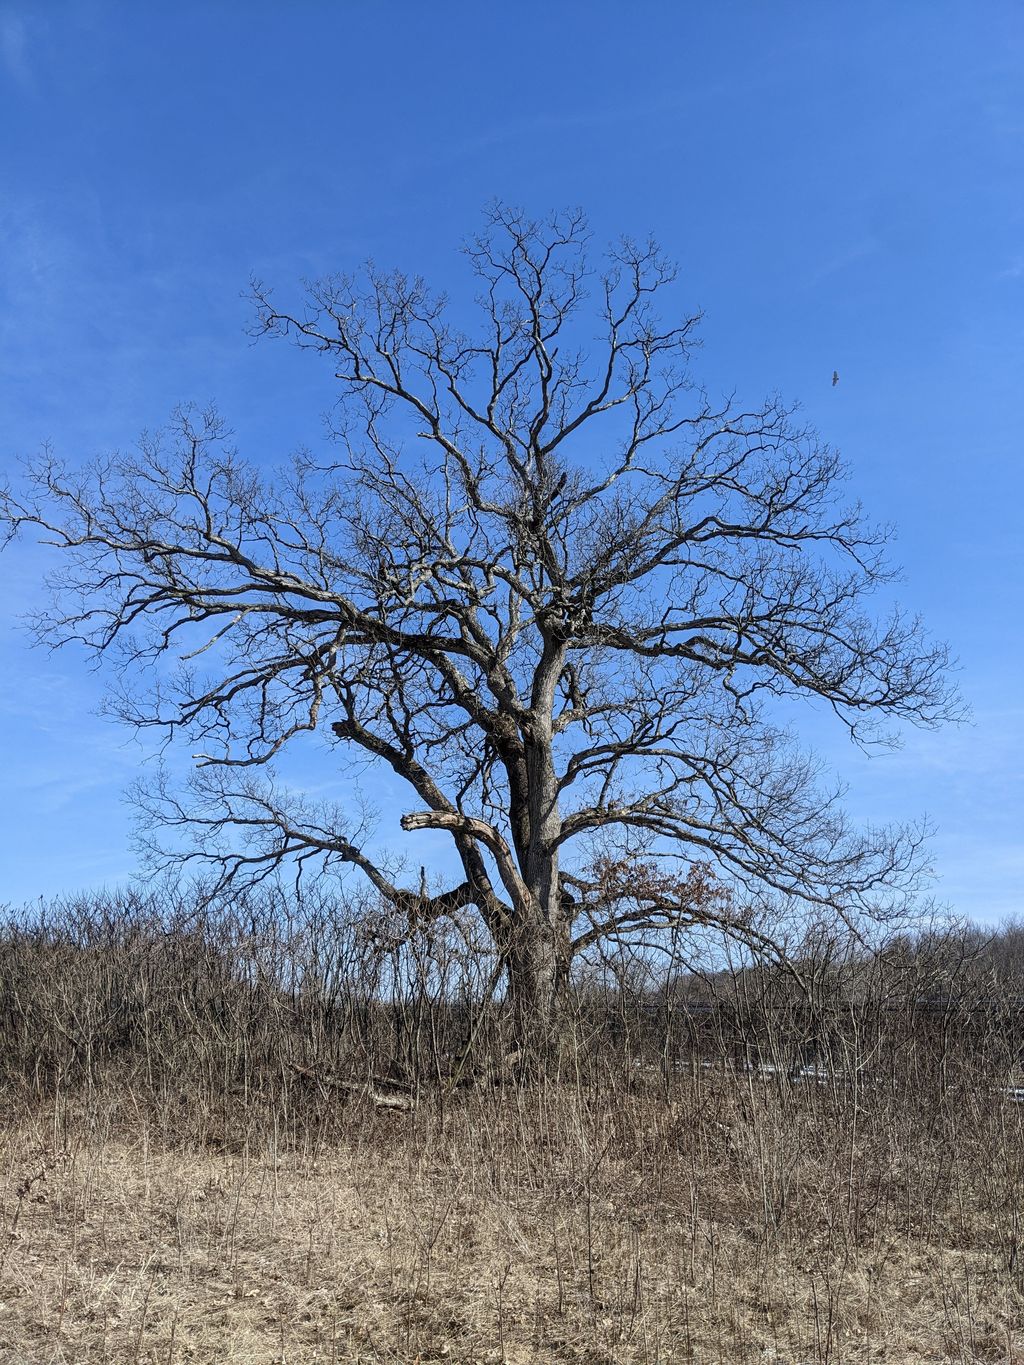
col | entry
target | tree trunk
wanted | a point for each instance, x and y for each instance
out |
(538, 976)
(539, 952)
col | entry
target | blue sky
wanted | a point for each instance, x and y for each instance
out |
(842, 184)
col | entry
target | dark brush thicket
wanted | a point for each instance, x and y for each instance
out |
(271, 1003)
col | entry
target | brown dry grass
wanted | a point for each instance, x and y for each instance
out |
(710, 1227)
(828, 1180)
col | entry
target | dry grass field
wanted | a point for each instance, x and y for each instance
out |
(724, 1223)
(193, 1167)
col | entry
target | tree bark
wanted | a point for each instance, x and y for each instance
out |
(538, 975)
(539, 956)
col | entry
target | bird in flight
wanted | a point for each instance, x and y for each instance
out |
(835, 378)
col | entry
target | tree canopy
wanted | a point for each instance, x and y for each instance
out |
(543, 577)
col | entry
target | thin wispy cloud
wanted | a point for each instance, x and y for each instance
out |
(840, 261)
(14, 48)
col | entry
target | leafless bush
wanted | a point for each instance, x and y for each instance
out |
(173, 995)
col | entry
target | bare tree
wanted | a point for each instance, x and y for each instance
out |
(544, 579)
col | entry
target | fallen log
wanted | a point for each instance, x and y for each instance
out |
(383, 1092)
